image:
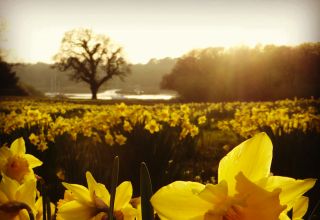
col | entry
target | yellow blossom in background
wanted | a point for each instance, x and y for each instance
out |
(188, 128)
(152, 126)
(33, 116)
(194, 130)
(164, 115)
(127, 126)
(12, 191)
(42, 146)
(34, 139)
(94, 201)
(202, 120)
(109, 139)
(122, 109)
(174, 119)
(245, 189)
(15, 163)
(185, 108)
(61, 174)
(120, 139)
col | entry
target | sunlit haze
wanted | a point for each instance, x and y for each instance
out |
(156, 29)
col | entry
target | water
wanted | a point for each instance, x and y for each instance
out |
(112, 94)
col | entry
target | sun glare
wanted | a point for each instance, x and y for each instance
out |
(141, 45)
(156, 32)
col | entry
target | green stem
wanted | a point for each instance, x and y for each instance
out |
(114, 183)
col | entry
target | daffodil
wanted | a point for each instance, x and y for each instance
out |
(109, 139)
(245, 190)
(94, 201)
(202, 120)
(152, 126)
(120, 139)
(13, 192)
(16, 164)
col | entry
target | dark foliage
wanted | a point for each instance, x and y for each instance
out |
(245, 74)
(9, 82)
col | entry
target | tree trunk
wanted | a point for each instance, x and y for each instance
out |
(94, 91)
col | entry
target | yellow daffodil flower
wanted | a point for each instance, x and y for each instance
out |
(127, 126)
(202, 120)
(12, 191)
(120, 139)
(152, 126)
(109, 139)
(94, 201)
(245, 189)
(16, 164)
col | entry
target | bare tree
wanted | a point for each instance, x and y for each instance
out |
(92, 58)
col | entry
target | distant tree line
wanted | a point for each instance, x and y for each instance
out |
(248, 74)
(9, 82)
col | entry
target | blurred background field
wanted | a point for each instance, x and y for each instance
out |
(177, 141)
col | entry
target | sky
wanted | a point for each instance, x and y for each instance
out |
(148, 29)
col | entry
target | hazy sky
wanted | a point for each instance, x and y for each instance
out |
(155, 29)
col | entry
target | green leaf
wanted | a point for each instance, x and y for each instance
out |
(146, 193)
(114, 183)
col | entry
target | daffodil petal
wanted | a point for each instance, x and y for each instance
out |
(129, 213)
(259, 203)
(27, 193)
(291, 189)
(38, 204)
(3, 197)
(18, 146)
(80, 193)
(283, 216)
(75, 210)
(300, 208)
(240, 159)
(5, 153)
(9, 187)
(123, 195)
(102, 193)
(91, 183)
(32, 161)
(179, 200)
